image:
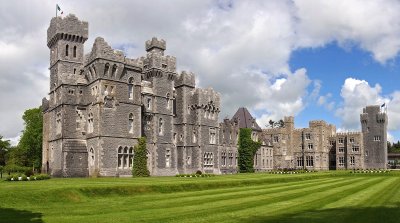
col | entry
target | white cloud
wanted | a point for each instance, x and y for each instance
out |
(240, 48)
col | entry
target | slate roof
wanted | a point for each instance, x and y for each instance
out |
(245, 120)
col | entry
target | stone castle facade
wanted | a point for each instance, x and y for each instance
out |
(100, 103)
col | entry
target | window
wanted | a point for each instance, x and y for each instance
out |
(341, 161)
(91, 157)
(188, 160)
(194, 136)
(352, 160)
(130, 125)
(168, 101)
(341, 149)
(300, 161)
(355, 148)
(106, 70)
(90, 122)
(213, 136)
(74, 52)
(58, 122)
(223, 158)
(168, 158)
(276, 138)
(341, 140)
(331, 143)
(66, 50)
(125, 157)
(310, 146)
(160, 126)
(308, 136)
(377, 138)
(309, 161)
(149, 103)
(208, 160)
(205, 114)
(351, 140)
(130, 88)
(114, 71)
(230, 159)
(174, 135)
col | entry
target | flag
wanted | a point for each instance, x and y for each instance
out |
(58, 9)
(383, 105)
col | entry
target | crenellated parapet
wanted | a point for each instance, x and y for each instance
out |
(185, 79)
(68, 28)
(155, 43)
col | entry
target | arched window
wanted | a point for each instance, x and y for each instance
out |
(120, 157)
(130, 88)
(114, 71)
(149, 103)
(91, 155)
(160, 126)
(125, 157)
(168, 158)
(74, 52)
(90, 123)
(66, 50)
(106, 70)
(130, 125)
(168, 101)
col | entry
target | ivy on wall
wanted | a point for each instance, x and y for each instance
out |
(247, 149)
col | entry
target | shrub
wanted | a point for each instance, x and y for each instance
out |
(198, 172)
(139, 168)
(247, 149)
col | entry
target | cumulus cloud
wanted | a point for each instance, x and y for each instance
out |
(240, 48)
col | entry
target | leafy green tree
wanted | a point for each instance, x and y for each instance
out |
(31, 139)
(4, 147)
(139, 168)
(247, 149)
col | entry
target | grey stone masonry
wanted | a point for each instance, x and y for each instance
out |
(101, 102)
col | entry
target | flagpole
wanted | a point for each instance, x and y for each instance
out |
(56, 10)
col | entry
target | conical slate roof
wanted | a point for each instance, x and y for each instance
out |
(245, 120)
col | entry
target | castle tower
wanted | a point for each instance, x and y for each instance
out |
(374, 128)
(64, 142)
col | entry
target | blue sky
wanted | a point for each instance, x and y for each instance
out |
(308, 58)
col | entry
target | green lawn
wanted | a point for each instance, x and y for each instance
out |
(313, 197)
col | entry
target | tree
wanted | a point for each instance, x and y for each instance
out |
(4, 147)
(247, 150)
(31, 139)
(139, 168)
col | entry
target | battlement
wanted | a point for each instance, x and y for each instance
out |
(68, 28)
(348, 133)
(185, 79)
(316, 123)
(288, 119)
(154, 43)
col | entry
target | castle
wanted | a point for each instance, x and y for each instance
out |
(100, 103)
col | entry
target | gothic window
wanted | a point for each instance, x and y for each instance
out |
(130, 125)
(223, 157)
(230, 158)
(194, 136)
(74, 52)
(351, 140)
(188, 160)
(308, 136)
(90, 122)
(331, 143)
(168, 101)
(114, 71)
(66, 50)
(213, 136)
(160, 126)
(341, 149)
(377, 138)
(130, 88)
(310, 146)
(106, 69)
(356, 148)
(208, 160)
(125, 157)
(341, 140)
(168, 158)
(276, 138)
(91, 155)
(174, 135)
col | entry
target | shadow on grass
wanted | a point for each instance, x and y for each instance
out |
(8, 215)
(353, 215)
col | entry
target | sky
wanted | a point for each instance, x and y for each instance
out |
(315, 60)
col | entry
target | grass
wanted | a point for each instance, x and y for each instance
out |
(313, 197)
